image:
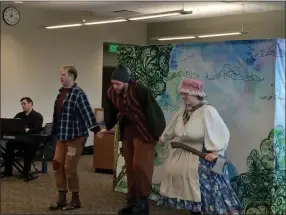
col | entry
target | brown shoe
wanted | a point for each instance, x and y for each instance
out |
(75, 202)
(57, 206)
(71, 206)
(61, 203)
(128, 208)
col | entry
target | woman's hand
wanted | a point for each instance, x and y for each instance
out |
(211, 156)
(160, 142)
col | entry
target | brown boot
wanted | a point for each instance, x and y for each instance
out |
(62, 201)
(141, 207)
(75, 202)
(127, 209)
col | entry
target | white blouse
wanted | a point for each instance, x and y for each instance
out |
(205, 126)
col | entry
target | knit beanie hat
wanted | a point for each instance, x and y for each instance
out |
(120, 73)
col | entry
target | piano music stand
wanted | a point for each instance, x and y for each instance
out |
(12, 126)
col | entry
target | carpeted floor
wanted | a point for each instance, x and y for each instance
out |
(97, 196)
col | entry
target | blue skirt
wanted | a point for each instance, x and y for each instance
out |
(217, 195)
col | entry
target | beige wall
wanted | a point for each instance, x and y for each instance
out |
(259, 25)
(31, 57)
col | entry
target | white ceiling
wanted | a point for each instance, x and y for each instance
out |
(105, 10)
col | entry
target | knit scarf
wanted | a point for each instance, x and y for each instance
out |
(188, 112)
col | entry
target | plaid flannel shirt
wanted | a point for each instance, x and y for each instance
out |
(76, 116)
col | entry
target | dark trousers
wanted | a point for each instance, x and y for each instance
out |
(139, 162)
(29, 150)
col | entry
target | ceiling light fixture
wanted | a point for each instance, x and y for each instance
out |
(219, 35)
(186, 12)
(105, 22)
(18, 2)
(173, 13)
(176, 38)
(64, 26)
(199, 36)
(153, 16)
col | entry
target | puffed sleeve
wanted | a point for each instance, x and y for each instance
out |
(216, 132)
(169, 132)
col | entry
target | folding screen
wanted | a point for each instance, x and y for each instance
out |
(245, 81)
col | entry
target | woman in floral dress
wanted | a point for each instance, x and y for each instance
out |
(189, 182)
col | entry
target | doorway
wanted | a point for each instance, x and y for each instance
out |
(106, 75)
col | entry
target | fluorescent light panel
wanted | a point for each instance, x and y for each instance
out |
(105, 22)
(86, 23)
(174, 13)
(200, 36)
(64, 26)
(219, 35)
(176, 38)
(154, 16)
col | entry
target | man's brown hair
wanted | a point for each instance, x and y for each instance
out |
(28, 99)
(71, 70)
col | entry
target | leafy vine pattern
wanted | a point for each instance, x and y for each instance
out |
(273, 96)
(148, 65)
(161, 153)
(276, 49)
(165, 101)
(181, 74)
(255, 54)
(262, 190)
(253, 58)
(234, 73)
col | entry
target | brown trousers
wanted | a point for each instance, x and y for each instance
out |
(139, 162)
(65, 162)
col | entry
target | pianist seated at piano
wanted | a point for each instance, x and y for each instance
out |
(33, 124)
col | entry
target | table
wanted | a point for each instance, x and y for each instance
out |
(103, 153)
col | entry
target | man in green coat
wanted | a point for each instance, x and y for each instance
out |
(141, 123)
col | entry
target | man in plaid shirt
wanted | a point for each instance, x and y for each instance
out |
(73, 117)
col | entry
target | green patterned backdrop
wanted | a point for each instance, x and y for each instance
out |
(262, 187)
(149, 65)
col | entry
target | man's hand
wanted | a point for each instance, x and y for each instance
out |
(211, 156)
(96, 129)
